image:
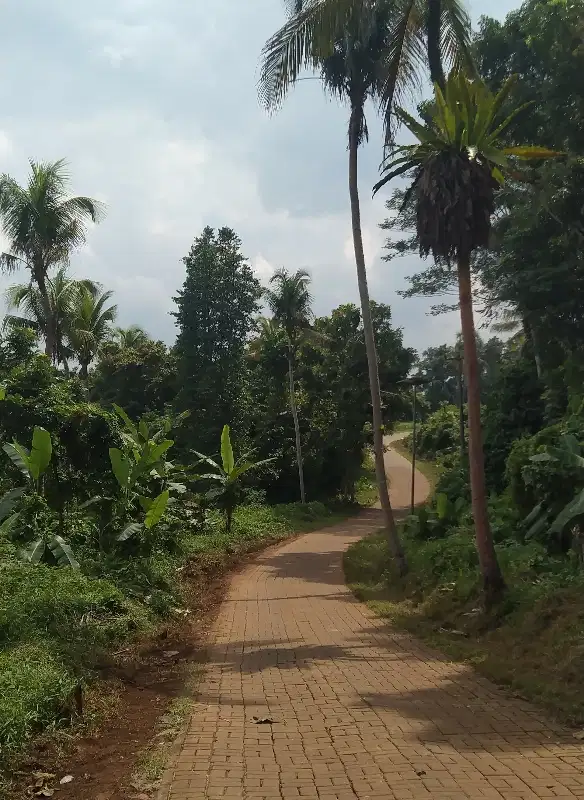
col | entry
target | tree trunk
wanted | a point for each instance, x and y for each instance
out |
(378, 448)
(50, 343)
(84, 370)
(536, 351)
(296, 426)
(492, 578)
(433, 26)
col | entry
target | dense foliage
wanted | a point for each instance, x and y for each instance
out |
(109, 475)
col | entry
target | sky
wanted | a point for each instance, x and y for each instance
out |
(154, 105)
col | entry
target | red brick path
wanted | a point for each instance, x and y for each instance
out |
(359, 710)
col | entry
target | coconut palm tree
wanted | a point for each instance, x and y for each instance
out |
(270, 337)
(43, 224)
(419, 32)
(131, 337)
(290, 303)
(90, 325)
(62, 293)
(457, 164)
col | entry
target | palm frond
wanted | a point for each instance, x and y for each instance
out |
(12, 321)
(455, 37)
(10, 262)
(83, 207)
(304, 40)
(402, 63)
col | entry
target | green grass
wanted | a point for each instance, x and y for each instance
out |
(366, 493)
(55, 624)
(533, 642)
(429, 469)
(401, 427)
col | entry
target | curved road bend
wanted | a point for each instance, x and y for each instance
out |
(359, 710)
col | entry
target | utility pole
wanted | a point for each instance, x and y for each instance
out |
(414, 382)
(458, 360)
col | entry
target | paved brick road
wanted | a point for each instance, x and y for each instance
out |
(359, 710)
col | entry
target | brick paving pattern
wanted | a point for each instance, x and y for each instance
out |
(358, 709)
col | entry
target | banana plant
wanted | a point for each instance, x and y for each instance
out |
(140, 461)
(571, 517)
(227, 475)
(433, 523)
(33, 464)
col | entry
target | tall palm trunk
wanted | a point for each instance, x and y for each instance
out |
(296, 424)
(50, 339)
(433, 20)
(378, 449)
(492, 578)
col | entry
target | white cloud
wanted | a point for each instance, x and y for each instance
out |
(262, 269)
(174, 139)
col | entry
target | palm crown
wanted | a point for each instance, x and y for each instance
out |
(41, 221)
(290, 302)
(365, 48)
(457, 163)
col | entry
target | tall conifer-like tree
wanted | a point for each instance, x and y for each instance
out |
(215, 315)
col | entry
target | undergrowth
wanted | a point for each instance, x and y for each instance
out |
(56, 624)
(533, 642)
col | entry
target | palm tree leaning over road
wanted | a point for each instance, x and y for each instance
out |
(43, 225)
(363, 49)
(290, 301)
(457, 164)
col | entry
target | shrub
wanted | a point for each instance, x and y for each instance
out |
(513, 409)
(440, 433)
(530, 482)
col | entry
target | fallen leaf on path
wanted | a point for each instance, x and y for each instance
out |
(263, 720)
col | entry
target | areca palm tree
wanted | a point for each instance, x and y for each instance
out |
(62, 291)
(457, 164)
(90, 325)
(365, 50)
(290, 303)
(43, 224)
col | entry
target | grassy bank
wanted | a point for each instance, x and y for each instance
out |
(429, 469)
(58, 626)
(532, 643)
(366, 491)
